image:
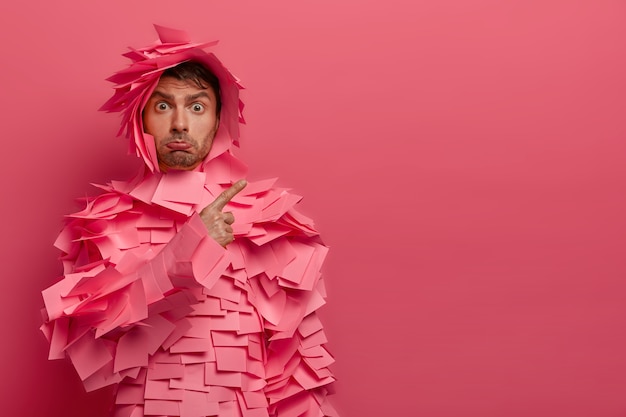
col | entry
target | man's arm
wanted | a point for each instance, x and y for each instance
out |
(106, 290)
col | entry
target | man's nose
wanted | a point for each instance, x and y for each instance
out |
(179, 121)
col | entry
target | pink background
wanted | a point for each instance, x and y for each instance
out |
(464, 159)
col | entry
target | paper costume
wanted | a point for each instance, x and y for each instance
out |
(151, 303)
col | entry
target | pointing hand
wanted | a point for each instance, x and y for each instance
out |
(217, 223)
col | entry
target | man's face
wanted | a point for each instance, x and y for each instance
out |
(182, 118)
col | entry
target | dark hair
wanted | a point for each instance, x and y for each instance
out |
(199, 74)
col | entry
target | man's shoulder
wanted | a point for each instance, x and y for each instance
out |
(105, 205)
(264, 211)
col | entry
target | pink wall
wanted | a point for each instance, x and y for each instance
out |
(465, 160)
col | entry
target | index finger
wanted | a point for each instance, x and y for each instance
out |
(220, 202)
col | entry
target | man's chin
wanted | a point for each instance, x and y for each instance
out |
(172, 169)
(181, 160)
(178, 166)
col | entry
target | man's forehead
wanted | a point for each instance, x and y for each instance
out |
(173, 84)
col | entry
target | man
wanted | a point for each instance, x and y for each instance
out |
(190, 289)
(182, 115)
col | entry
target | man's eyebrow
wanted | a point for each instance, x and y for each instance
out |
(198, 95)
(162, 95)
(188, 98)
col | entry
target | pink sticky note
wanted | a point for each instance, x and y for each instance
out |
(222, 394)
(228, 339)
(198, 357)
(180, 187)
(239, 275)
(295, 270)
(322, 358)
(161, 408)
(155, 280)
(308, 380)
(267, 257)
(272, 232)
(315, 302)
(131, 351)
(253, 265)
(101, 378)
(293, 219)
(182, 327)
(193, 379)
(251, 412)
(317, 338)
(255, 349)
(231, 358)
(162, 235)
(283, 251)
(54, 299)
(209, 307)
(151, 220)
(271, 308)
(209, 262)
(197, 404)
(88, 355)
(291, 405)
(259, 187)
(145, 190)
(224, 288)
(169, 35)
(242, 306)
(130, 394)
(156, 330)
(200, 326)
(165, 371)
(160, 390)
(125, 237)
(291, 318)
(255, 399)
(189, 344)
(203, 325)
(236, 256)
(280, 206)
(312, 272)
(249, 323)
(57, 334)
(309, 325)
(257, 369)
(213, 376)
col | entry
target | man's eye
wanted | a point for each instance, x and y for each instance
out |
(197, 107)
(162, 106)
